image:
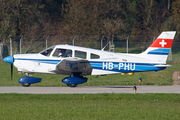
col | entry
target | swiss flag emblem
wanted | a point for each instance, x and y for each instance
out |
(162, 43)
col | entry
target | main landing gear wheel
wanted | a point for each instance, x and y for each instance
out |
(25, 84)
(72, 85)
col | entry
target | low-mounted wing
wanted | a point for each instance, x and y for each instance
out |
(69, 66)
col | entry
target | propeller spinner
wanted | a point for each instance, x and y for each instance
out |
(10, 59)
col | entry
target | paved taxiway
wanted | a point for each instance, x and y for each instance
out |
(91, 89)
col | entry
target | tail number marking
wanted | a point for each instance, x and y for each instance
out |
(120, 66)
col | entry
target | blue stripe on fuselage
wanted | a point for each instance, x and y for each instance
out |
(109, 66)
(41, 60)
(125, 67)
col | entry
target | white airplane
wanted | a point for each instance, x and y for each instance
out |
(80, 61)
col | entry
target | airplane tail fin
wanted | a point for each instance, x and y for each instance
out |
(160, 48)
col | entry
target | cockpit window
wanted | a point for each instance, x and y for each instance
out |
(94, 56)
(59, 52)
(47, 52)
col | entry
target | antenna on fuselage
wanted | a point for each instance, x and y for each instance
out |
(104, 47)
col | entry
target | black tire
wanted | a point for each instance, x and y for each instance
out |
(72, 85)
(25, 84)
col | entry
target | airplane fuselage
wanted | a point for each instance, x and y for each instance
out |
(102, 62)
(80, 61)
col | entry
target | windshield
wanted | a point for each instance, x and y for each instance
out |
(47, 52)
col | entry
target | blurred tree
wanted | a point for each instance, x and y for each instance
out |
(24, 17)
(174, 21)
(87, 17)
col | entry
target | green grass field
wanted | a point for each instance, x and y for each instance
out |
(89, 106)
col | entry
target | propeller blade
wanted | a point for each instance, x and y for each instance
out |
(11, 71)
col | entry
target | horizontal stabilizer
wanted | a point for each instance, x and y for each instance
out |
(162, 65)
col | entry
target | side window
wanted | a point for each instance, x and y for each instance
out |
(94, 56)
(80, 54)
(62, 53)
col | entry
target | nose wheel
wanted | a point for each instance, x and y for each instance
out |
(72, 85)
(25, 84)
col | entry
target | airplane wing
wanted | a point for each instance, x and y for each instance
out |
(69, 66)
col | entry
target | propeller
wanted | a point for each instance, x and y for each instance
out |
(10, 59)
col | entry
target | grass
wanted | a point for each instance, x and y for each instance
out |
(89, 106)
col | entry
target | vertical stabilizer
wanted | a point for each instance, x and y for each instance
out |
(159, 49)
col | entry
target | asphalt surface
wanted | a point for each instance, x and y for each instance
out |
(91, 89)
